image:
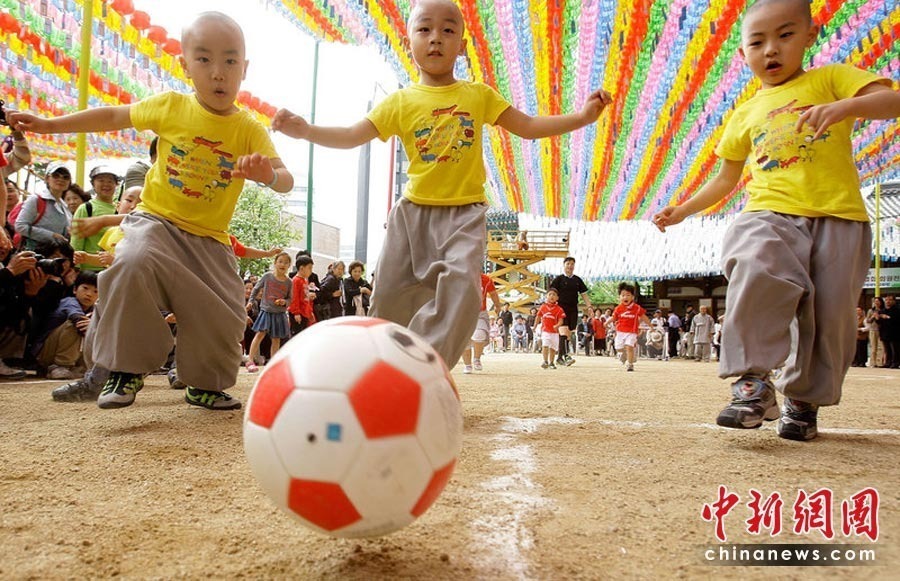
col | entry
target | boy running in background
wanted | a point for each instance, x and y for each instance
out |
(628, 316)
(435, 243)
(551, 317)
(797, 256)
(176, 254)
(482, 335)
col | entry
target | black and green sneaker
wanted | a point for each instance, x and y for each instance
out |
(211, 400)
(119, 390)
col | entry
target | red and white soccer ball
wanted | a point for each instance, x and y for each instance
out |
(354, 427)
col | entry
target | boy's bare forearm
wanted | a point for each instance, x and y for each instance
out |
(714, 190)
(880, 102)
(88, 121)
(342, 137)
(537, 127)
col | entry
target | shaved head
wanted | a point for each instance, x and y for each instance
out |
(423, 7)
(802, 7)
(207, 19)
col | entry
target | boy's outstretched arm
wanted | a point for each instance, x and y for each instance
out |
(297, 127)
(529, 127)
(874, 101)
(87, 121)
(714, 190)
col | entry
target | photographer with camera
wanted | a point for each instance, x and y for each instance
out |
(20, 282)
(53, 282)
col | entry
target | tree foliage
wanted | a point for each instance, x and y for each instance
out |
(259, 222)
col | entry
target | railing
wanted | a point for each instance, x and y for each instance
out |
(531, 241)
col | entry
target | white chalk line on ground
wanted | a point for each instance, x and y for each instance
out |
(503, 529)
(530, 425)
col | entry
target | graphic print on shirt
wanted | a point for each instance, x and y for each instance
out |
(199, 169)
(445, 136)
(777, 145)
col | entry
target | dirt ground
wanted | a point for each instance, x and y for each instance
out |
(586, 472)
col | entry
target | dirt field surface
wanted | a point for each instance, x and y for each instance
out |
(586, 472)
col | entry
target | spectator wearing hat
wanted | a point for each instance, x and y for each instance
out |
(44, 216)
(103, 181)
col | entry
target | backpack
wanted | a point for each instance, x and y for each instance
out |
(18, 241)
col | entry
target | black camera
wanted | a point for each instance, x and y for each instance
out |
(3, 113)
(51, 266)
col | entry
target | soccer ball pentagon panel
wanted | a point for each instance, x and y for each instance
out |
(354, 427)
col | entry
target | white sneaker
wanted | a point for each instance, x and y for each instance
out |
(477, 365)
(467, 369)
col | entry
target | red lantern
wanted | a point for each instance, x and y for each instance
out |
(123, 7)
(254, 102)
(243, 97)
(172, 47)
(140, 20)
(8, 22)
(157, 34)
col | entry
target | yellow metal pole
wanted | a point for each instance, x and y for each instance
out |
(84, 78)
(877, 239)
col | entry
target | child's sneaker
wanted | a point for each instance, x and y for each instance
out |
(251, 367)
(477, 365)
(119, 390)
(552, 366)
(798, 420)
(211, 400)
(629, 367)
(80, 390)
(754, 401)
(545, 365)
(467, 369)
(62, 372)
(174, 382)
(622, 358)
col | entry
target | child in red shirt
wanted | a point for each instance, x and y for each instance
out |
(301, 307)
(628, 316)
(549, 317)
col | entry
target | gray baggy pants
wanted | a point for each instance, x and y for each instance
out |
(793, 283)
(427, 277)
(161, 267)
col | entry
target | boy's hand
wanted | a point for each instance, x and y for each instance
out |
(273, 252)
(290, 124)
(106, 259)
(595, 104)
(668, 216)
(79, 257)
(20, 121)
(821, 117)
(256, 167)
(81, 325)
(86, 227)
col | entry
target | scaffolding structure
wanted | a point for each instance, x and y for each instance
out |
(513, 252)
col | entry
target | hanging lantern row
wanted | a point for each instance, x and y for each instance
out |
(672, 67)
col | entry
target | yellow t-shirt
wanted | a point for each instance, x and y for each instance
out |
(110, 238)
(191, 185)
(441, 128)
(792, 173)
